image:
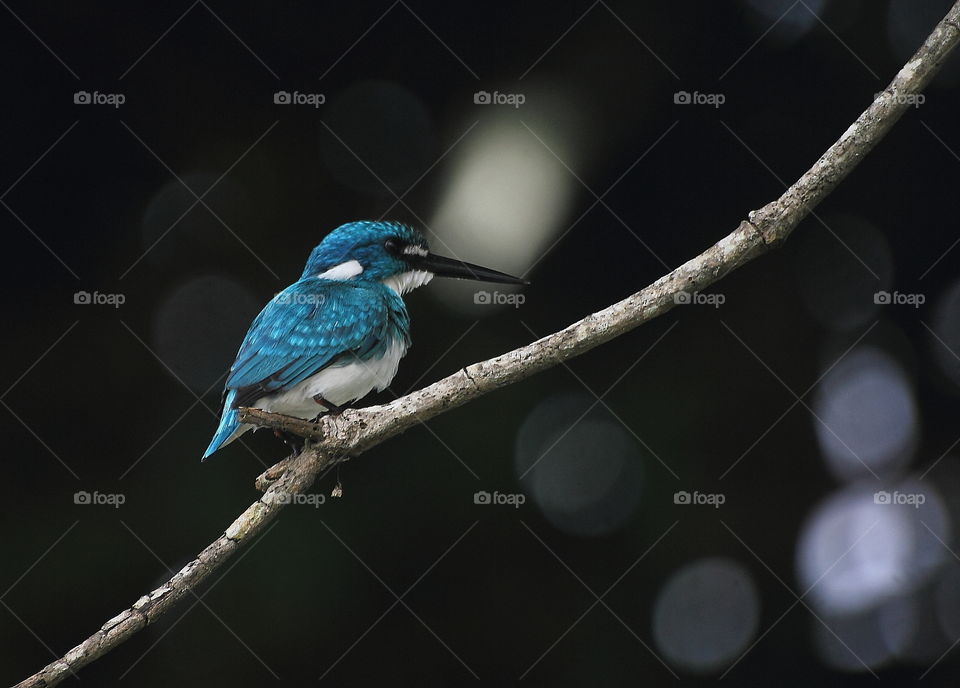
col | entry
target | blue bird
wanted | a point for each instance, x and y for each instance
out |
(340, 330)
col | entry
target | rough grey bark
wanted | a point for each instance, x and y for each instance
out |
(355, 431)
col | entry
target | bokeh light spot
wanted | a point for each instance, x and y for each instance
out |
(172, 232)
(868, 413)
(786, 20)
(706, 615)
(199, 327)
(945, 344)
(384, 125)
(837, 271)
(585, 475)
(868, 544)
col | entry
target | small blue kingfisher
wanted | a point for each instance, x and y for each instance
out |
(340, 330)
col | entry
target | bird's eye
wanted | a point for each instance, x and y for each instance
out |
(392, 246)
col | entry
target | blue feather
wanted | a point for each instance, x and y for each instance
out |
(310, 325)
(340, 331)
(229, 423)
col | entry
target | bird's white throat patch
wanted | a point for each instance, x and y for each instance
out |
(344, 271)
(408, 281)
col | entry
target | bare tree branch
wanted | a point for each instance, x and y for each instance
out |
(355, 431)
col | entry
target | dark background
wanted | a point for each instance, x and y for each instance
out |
(703, 398)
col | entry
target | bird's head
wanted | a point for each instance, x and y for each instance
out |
(392, 253)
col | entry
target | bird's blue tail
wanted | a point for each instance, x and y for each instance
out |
(229, 424)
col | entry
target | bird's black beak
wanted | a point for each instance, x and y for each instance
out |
(448, 267)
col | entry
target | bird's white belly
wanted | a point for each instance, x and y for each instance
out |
(337, 384)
